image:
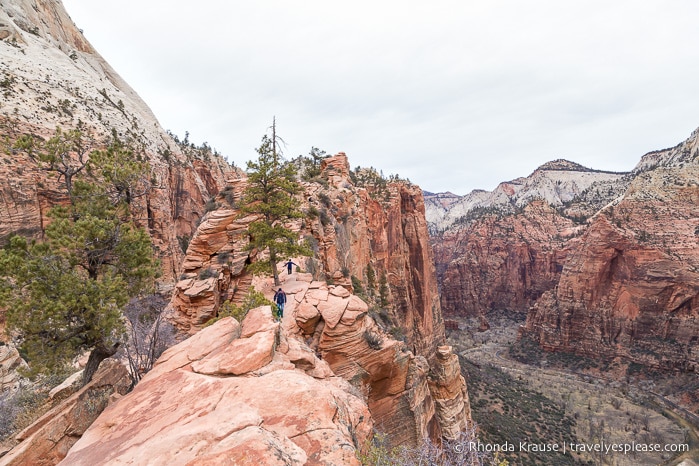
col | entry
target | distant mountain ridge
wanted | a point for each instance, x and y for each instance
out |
(557, 182)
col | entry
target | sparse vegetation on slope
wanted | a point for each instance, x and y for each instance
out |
(508, 411)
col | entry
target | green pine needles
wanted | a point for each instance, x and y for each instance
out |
(66, 294)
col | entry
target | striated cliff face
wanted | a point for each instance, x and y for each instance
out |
(630, 286)
(605, 267)
(500, 262)
(349, 228)
(390, 233)
(503, 249)
(395, 354)
(50, 76)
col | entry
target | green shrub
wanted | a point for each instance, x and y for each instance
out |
(210, 205)
(183, 241)
(373, 339)
(207, 273)
(325, 200)
(252, 300)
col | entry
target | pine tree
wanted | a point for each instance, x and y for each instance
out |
(370, 279)
(271, 194)
(383, 290)
(65, 294)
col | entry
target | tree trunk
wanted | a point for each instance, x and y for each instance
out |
(273, 263)
(98, 354)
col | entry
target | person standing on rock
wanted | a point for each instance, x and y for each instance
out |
(280, 300)
(288, 266)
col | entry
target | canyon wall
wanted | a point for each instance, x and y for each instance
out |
(607, 268)
(630, 286)
(501, 250)
(498, 262)
(52, 77)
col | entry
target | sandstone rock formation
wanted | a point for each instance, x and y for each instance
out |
(48, 439)
(243, 396)
(52, 77)
(10, 361)
(357, 227)
(352, 229)
(503, 249)
(630, 286)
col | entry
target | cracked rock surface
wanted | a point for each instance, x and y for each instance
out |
(227, 396)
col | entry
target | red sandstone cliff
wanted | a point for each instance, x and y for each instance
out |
(503, 249)
(498, 262)
(630, 286)
(608, 271)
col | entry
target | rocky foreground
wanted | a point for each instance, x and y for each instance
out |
(232, 393)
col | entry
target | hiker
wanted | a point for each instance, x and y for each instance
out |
(288, 265)
(280, 300)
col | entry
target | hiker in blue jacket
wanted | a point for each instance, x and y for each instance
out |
(280, 300)
(288, 266)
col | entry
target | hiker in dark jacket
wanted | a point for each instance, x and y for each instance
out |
(288, 266)
(280, 300)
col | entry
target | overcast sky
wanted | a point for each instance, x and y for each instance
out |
(454, 95)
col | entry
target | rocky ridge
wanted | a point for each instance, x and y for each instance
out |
(350, 231)
(557, 183)
(306, 390)
(75, 86)
(244, 396)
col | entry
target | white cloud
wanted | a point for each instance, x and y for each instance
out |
(453, 95)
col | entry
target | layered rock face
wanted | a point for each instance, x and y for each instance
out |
(500, 262)
(503, 249)
(337, 326)
(350, 230)
(52, 77)
(608, 269)
(232, 394)
(388, 230)
(630, 286)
